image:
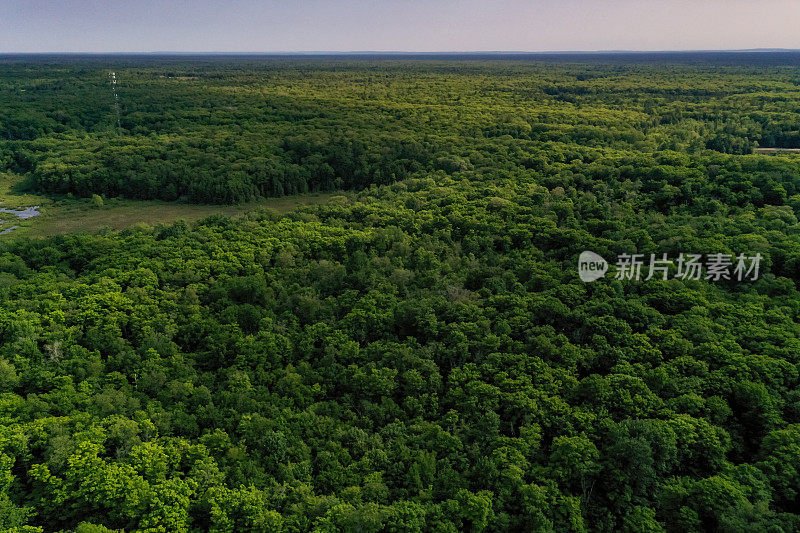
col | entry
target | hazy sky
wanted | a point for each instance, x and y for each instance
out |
(403, 25)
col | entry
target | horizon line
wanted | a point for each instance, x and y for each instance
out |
(410, 52)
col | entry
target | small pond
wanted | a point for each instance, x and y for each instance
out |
(21, 214)
(28, 212)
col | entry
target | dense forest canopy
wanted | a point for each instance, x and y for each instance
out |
(226, 132)
(418, 354)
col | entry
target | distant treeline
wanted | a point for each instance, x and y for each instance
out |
(206, 172)
(227, 132)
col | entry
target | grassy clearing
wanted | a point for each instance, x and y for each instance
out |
(68, 215)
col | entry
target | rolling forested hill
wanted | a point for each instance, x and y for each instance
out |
(418, 353)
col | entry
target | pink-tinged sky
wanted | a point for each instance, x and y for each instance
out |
(395, 25)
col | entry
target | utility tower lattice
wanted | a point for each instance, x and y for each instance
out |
(113, 77)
